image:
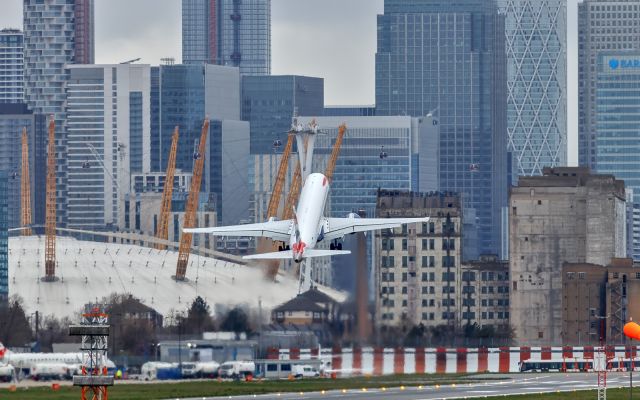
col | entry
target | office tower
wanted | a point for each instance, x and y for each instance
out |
(603, 26)
(56, 33)
(448, 58)
(228, 32)
(186, 94)
(200, 31)
(616, 122)
(269, 103)
(536, 38)
(13, 118)
(108, 130)
(11, 66)
(4, 240)
(568, 215)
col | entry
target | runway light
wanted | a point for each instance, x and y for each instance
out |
(364, 389)
(401, 387)
(344, 390)
(453, 385)
(384, 389)
(322, 392)
(420, 387)
(437, 386)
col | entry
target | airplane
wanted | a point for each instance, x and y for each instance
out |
(309, 226)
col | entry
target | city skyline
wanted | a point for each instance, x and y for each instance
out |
(295, 24)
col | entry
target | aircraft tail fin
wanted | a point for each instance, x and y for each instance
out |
(3, 350)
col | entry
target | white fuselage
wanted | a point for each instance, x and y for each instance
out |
(309, 215)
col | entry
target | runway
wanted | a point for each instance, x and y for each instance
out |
(515, 384)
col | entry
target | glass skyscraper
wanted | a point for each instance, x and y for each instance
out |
(13, 118)
(11, 66)
(536, 39)
(449, 58)
(228, 32)
(617, 145)
(269, 103)
(603, 26)
(4, 239)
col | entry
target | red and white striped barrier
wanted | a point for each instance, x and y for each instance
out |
(389, 361)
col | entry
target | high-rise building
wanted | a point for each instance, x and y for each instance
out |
(186, 94)
(108, 130)
(616, 121)
(269, 103)
(603, 26)
(448, 58)
(13, 118)
(4, 239)
(536, 38)
(11, 66)
(228, 32)
(56, 33)
(417, 272)
(568, 215)
(200, 31)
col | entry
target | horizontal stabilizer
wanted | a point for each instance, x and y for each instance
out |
(276, 255)
(287, 255)
(324, 253)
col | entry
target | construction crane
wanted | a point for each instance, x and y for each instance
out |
(331, 166)
(192, 204)
(167, 194)
(50, 220)
(25, 188)
(263, 244)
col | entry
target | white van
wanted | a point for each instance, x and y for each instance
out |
(305, 371)
(41, 372)
(236, 369)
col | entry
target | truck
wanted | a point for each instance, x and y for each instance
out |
(149, 370)
(236, 369)
(46, 371)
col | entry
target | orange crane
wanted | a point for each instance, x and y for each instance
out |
(274, 203)
(331, 166)
(25, 188)
(192, 204)
(167, 194)
(50, 220)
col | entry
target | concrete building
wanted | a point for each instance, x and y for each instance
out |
(485, 292)
(228, 32)
(11, 66)
(417, 267)
(349, 111)
(270, 102)
(56, 33)
(536, 38)
(4, 239)
(566, 215)
(616, 119)
(108, 138)
(449, 58)
(603, 26)
(183, 98)
(13, 118)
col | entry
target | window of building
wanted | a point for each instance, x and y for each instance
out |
(432, 244)
(405, 244)
(425, 302)
(484, 315)
(432, 290)
(404, 290)
(405, 261)
(425, 290)
(581, 275)
(425, 277)
(404, 277)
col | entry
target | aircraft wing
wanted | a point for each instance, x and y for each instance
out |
(276, 230)
(338, 227)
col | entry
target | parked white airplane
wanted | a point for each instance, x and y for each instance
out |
(309, 226)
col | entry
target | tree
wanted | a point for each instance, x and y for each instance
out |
(133, 325)
(236, 321)
(14, 326)
(53, 330)
(199, 317)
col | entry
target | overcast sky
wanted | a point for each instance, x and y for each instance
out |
(333, 39)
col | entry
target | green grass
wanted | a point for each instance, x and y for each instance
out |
(213, 388)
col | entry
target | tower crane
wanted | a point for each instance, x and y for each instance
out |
(25, 187)
(167, 194)
(192, 204)
(274, 203)
(331, 166)
(50, 220)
